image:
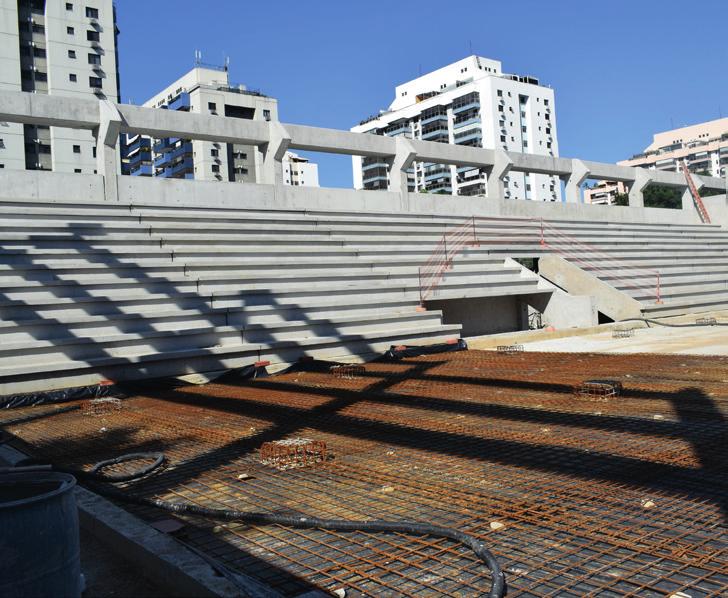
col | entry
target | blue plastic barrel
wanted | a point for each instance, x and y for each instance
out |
(39, 545)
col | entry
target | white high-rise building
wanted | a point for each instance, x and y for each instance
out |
(470, 102)
(58, 48)
(299, 171)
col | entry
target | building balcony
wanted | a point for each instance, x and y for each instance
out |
(469, 136)
(180, 102)
(380, 164)
(471, 121)
(430, 135)
(470, 106)
(141, 170)
(376, 177)
(434, 118)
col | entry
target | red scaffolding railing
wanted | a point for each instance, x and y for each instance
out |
(612, 269)
(448, 247)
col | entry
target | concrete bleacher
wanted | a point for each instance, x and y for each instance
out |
(91, 291)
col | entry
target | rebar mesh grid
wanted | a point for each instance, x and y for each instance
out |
(620, 498)
(509, 349)
(622, 332)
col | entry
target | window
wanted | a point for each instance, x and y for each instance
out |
(72, 77)
(92, 13)
(241, 170)
(41, 76)
(546, 102)
(39, 52)
(94, 59)
(266, 114)
(500, 93)
(69, 30)
(240, 156)
(503, 138)
(2, 165)
(92, 36)
(77, 170)
(69, 6)
(72, 53)
(214, 153)
(2, 143)
(211, 106)
(95, 82)
(38, 28)
(215, 168)
(93, 151)
(76, 149)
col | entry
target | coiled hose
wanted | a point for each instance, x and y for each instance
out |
(497, 587)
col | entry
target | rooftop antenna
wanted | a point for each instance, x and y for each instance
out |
(470, 42)
(198, 57)
(227, 63)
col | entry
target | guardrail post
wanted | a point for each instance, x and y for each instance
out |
(543, 239)
(659, 298)
(398, 166)
(579, 174)
(502, 164)
(642, 178)
(107, 155)
(444, 242)
(273, 152)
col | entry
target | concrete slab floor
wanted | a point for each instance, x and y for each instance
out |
(576, 495)
(703, 340)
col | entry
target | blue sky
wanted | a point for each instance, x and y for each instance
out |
(621, 70)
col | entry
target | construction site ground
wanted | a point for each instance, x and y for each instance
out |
(647, 337)
(622, 495)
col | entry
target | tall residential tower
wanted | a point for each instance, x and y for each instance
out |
(207, 90)
(470, 102)
(57, 48)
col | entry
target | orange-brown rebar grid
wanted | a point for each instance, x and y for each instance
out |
(576, 497)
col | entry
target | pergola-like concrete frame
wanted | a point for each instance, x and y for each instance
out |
(273, 139)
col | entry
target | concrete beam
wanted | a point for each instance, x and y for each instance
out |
(107, 156)
(273, 152)
(502, 164)
(642, 179)
(333, 141)
(403, 159)
(579, 174)
(540, 164)
(50, 111)
(206, 127)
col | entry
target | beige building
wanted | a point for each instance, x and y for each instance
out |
(704, 146)
(604, 192)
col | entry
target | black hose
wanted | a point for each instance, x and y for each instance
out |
(668, 325)
(498, 584)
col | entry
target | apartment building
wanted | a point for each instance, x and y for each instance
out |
(57, 48)
(203, 90)
(703, 146)
(604, 192)
(207, 90)
(471, 102)
(299, 171)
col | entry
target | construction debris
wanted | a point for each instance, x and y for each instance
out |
(706, 322)
(598, 390)
(509, 349)
(292, 453)
(102, 406)
(348, 371)
(622, 332)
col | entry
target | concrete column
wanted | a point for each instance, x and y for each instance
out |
(278, 142)
(403, 159)
(501, 167)
(641, 180)
(107, 155)
(579, 173)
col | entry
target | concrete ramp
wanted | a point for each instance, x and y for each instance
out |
(610, 301)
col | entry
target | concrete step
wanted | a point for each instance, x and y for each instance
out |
(680, 292)
(686, 306)
(131, 356)
(44, 335)
(77, 285)
(65, 324)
